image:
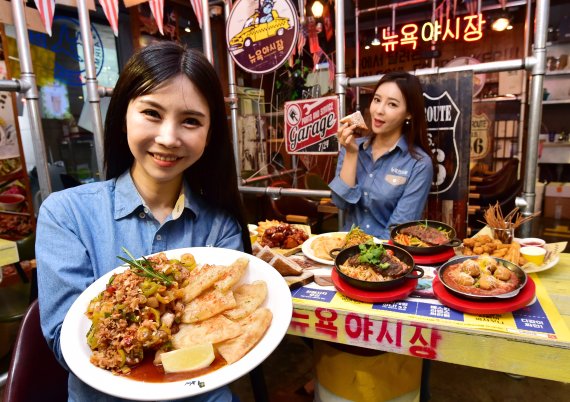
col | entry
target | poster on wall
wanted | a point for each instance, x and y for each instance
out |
(311, 126)
(261, 34)
(448, 103)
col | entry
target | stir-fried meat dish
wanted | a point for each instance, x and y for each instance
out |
(374, 264)
(427, 234)
(283, 236)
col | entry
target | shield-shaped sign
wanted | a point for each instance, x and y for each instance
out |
(442, 115)
(261, 34)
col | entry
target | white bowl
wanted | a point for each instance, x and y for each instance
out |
(531, 241)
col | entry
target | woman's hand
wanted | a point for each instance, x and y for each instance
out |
(346, 137)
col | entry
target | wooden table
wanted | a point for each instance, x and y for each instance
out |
(482, 348)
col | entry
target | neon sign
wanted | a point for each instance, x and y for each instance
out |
(468, 28)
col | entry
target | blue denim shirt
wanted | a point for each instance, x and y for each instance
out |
(391, 190)
(80, 232)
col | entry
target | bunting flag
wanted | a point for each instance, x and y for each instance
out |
(46, 8)
(157, 8)
(197, 6)
(111, 9)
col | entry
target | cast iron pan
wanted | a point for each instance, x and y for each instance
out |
(413, 273)
(453, 240)
(507, 264)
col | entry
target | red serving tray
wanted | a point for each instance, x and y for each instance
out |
(522, 299)
(379, 296)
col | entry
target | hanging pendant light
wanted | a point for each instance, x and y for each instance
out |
(376, 39)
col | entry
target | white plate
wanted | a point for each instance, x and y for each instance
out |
(308, 251)
(543, 267)
(76, 324)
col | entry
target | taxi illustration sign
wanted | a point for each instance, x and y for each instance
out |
(261, 34)
(311, 126)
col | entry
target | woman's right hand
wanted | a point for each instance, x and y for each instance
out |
(347, 137)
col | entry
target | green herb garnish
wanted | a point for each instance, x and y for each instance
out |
(372, 253)
(143, 267)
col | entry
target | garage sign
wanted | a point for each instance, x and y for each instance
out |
(311, 126)
(261, 34)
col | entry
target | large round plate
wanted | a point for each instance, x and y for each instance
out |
(542, 267)
(76, 324)
(308, 251)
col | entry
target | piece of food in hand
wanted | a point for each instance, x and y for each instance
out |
(213, 330)
(355, 118)
(285, 266)
(192, 358)
(254, 327)
(248, 298)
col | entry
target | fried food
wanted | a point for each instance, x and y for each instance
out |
(486, 245)
(254, 326)
(355, 118)
(213, 330)
(208, 304)
(232, 274)
(201, 279)
(248, 298)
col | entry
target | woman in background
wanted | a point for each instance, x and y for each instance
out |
(171, 183)
(384, 178)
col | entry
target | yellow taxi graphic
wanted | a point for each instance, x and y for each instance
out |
(254, 31)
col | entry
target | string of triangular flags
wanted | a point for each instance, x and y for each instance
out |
(46, 9)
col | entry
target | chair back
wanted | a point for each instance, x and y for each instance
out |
(293, 209)
(34, 373)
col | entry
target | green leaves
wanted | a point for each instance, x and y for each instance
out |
(372, 253)
(144, 268)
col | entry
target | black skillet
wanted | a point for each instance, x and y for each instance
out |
(412, 273)
(518, 271)
(414, 250)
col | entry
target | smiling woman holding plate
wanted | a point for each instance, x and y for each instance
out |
(171, 183)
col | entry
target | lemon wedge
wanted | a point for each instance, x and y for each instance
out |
(186, 359)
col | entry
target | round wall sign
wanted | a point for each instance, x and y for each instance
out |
(261, 34)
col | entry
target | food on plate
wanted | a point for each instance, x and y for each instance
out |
(213, 301)
(285, 266)
(283, 236)
(143, 312)
(322, 245)
(254, 326)
(355, 118)
(191, 358)
(484, 276)
(486, 245)
(356, 236)
(374, 263)
(248, 297)
(422, 236)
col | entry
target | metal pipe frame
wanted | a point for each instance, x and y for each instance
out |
(91, 84)
(232, 96)
(277, 192)
(14, 85)
(28, 81)
(207, 32)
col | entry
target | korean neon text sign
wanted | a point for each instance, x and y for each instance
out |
(468, 28)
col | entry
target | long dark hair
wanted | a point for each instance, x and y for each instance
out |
(415, 132)
(214, 175)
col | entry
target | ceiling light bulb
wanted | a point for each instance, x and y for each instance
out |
(317, 9)
(367, 47)
(187, 29)
(500, 24)
(375, 41)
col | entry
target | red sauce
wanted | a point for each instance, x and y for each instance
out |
(148, 372)
(508, 286)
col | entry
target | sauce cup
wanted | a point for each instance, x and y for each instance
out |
(533, 254)
(531, 241)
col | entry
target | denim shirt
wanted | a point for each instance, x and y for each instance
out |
(80, 232)
(391, 190)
